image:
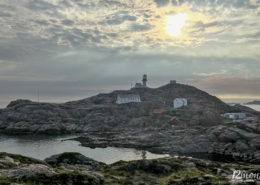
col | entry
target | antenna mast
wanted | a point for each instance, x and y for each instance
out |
(38, 95)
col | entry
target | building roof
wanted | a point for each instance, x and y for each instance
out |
(180, 99)
(234, 113)
(174, 121)
(158, 111)
(196, 101)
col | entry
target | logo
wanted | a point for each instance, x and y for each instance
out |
(242, 175)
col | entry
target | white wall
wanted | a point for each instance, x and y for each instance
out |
(179, 102)
(127, 100)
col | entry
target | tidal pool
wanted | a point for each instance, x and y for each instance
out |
(41, 147)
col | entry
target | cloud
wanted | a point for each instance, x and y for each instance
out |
(140, 27)
(119, 18)
(42, 22)
(215, 27)
(72, 41)
(230, 85)
(178, 2)
(253, 35)
(217, 3)
(161, 3)
(67, 22)
(223, 71)
(5, 14)
(37, 5)
(7, 65)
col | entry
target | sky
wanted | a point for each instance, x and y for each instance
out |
(69, 50)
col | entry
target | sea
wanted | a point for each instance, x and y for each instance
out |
(242, 102)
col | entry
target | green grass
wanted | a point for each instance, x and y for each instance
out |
(192, 176)
(5, 181)
(67, 178)
(227, 121)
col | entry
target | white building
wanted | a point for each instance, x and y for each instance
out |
(234, 116)
(179, 102)
(139, 85)
(127, 98)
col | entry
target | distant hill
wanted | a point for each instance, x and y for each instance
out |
(255, 102)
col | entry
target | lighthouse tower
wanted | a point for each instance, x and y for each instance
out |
(140, 85)
(144, 80)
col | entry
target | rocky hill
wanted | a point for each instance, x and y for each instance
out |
(255, 102)
(100, 112)
(200, 127)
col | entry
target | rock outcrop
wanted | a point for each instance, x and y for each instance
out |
(75, 159)
(164, 171)
(237, 141)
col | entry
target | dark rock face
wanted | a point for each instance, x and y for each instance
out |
(228, 136)
(239, 141)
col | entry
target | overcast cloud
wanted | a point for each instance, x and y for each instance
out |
(74, 49)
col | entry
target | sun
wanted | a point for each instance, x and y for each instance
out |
(175, 23)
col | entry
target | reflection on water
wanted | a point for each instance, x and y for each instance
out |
(41, 147)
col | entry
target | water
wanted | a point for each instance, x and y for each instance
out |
(256, 107)
(3, 104)
(242, 102)
(41, 147)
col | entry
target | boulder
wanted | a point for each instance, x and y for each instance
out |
(241, 146)
(27, 171)
(228, 136)
(71, 158)
(255, 143)
(189, 164)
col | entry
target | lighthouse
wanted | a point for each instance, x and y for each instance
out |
(142, 85)
(144, 80)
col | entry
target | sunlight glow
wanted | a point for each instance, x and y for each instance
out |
(174, 24)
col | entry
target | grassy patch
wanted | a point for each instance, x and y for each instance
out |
(5, 181)
(7, 165)
(114, 176)
(227, 120)
(164, 118)
(191, 176)
(72, 178)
